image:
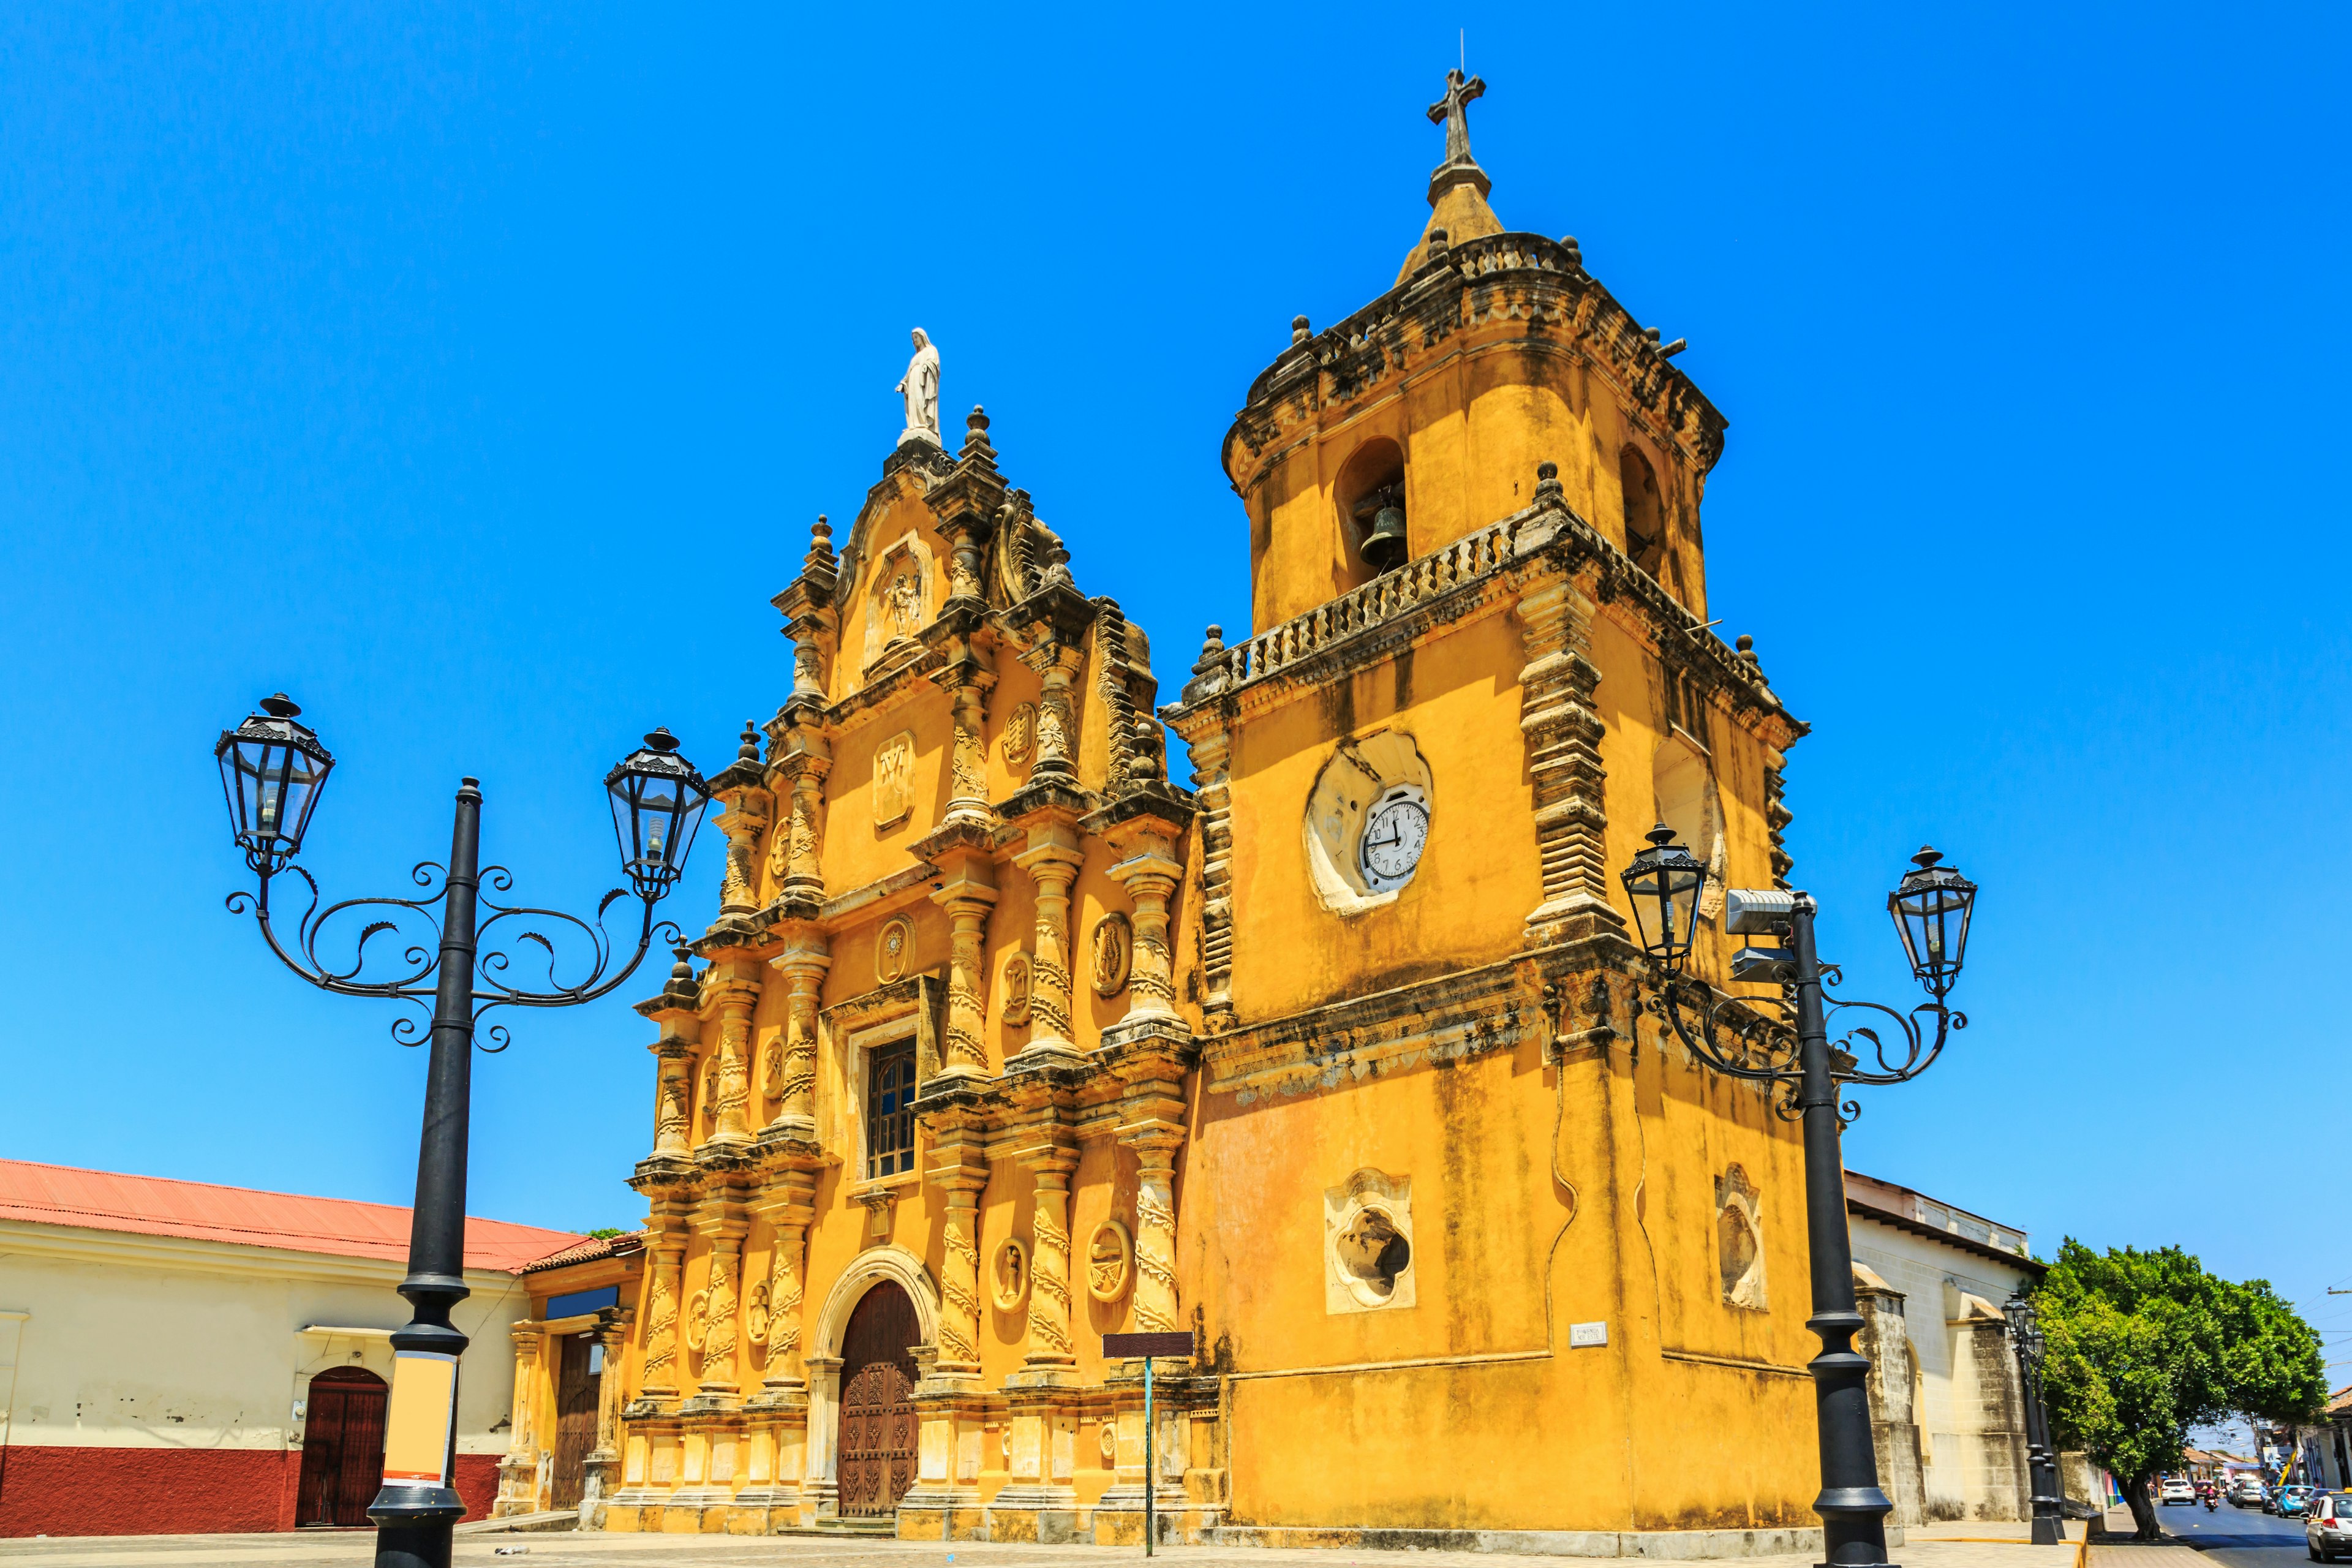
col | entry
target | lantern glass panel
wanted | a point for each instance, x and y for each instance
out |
(1931, 909)
(657, 801)
(1664, 884)
(272, 768)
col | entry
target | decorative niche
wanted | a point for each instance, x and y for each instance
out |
(1368, 814)
(1739, 1240)
(899, 599)
(1368, 1263)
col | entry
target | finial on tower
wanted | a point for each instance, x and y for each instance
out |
(1458, 187)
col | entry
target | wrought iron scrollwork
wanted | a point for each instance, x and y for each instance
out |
(577, 959)
(1755, 1038)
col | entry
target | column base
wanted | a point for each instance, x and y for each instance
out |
(1044, 1515)
(1044, 1053)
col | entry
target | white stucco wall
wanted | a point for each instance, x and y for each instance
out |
(159, 1341)
(1932, 1277)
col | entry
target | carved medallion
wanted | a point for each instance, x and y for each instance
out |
(1008, 1277)
(1016, 989)
(1113, 949)
(894, 780)
(1019, 746)
(894, 950)
(1111, 1260)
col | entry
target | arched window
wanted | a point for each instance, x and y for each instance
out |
(1370, 493)
(1645, 513)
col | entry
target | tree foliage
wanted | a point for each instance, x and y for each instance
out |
(2144, 1346)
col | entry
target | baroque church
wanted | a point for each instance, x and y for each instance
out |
(1333, 1058)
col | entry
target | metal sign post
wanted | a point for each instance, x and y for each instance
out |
(1147, 1346)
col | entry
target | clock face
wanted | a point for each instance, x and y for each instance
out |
(1393, 835)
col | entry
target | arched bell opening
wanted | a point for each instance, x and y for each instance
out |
(1645, 513)
(1370, 493)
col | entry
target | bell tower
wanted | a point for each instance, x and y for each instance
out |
(1479, 669)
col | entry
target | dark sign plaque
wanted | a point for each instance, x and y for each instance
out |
(1146, 1344)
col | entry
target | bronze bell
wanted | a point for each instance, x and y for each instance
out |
(1385, 546)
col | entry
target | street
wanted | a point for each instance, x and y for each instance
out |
(2239, 1537)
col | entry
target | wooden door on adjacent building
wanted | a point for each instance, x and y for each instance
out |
(878, 1425)
(577, 1380)
(343, 1448)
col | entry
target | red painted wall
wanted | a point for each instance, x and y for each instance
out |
(174, 1492)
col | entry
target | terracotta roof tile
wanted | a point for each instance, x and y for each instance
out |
(158, 1206)
(588, 1251)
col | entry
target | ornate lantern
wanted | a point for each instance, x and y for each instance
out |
(272, 768)
(1664, 881)
(658, 800)
(1931, 908)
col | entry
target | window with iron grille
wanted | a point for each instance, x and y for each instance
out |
(890, 1111)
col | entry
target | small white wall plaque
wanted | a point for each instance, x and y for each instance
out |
(1579, 1334)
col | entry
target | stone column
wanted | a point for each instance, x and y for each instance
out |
(1052, 860)
(1212, 752)
(803, 964)
(960, 1168)
(1048, 1356)
(795, 852)
(1055, 663)
(716, 1306)
(601, 1472)
(1156, 1307)
(965, 854)
(789, 1207)
(662, 1308)
(1563, 731)
(968, 757)
(1149, 871)
(518, 1471)
(737, 993)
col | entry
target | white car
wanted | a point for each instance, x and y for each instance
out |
(2327, 1527)
(2177, 1491)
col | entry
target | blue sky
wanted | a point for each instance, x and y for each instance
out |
(475, 377)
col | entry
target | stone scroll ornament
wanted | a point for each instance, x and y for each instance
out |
(1016, 989)
(1018, 745)
(1110, 1254)
(1114, 950)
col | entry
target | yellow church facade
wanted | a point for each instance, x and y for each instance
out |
(1335, 1060)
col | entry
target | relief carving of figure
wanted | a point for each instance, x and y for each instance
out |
(920, 387)
(1112, 953)
(1012, 1271)
(1016, 989)
(902, 601)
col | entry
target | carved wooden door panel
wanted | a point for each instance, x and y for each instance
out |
(575, 1421)
(878, 1425)
(343, 1448)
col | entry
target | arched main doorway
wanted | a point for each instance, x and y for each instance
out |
(878, 1425)
(343, 1448)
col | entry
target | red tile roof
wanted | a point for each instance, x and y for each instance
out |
(588, 1251)
(157, 1206)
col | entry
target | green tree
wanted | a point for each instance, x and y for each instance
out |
(2144, 1346)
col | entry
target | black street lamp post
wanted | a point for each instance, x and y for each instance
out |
(273, 768)
(1783, 1039)
(2041, 1456)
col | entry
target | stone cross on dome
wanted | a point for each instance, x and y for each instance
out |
(1452, 113)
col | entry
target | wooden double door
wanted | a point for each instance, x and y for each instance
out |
(343, 1448)
(879, 1427)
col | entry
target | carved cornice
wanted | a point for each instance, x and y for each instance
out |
(1531, 286)
(1476, 574)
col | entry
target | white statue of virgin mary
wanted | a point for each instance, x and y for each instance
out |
(920, 387)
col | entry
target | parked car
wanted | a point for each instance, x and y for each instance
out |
(2248, 1492)
(2328, 1529)
(2177, 1491)
(2293, 1502)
